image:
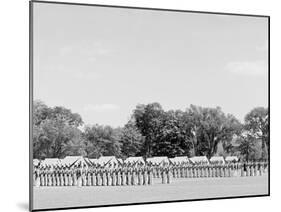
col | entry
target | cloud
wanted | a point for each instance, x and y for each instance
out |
(65, 50)
(85, 51)
(82, 60)
(89, 75)
(101, 108)
(75, 72)
(263, 48)
(253, 68)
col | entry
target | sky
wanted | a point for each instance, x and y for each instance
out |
(101, 62)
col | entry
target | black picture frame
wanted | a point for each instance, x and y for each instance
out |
(31, 53)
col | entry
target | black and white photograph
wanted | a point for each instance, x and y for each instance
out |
(140, 105)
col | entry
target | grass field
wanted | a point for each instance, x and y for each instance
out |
(179, 189)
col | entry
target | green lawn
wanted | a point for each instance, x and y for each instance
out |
(179, 189)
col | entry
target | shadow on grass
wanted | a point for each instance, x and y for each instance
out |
(23, 206)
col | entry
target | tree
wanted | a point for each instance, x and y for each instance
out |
(148, 120)
(40, 143)
(40, 112)
(131, 140)
(151, 132)
(190, 124)
(69, 118)
(55, 139)
(256, 125)
(55, 132)
(171, 140)
(209, 126)
(102, 141)
(249, 148)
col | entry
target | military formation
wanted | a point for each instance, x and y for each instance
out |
(230, 169)
(139, 174)
(96, 175)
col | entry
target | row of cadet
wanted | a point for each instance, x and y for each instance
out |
(123, 175)
(216, 170)
(84, 176)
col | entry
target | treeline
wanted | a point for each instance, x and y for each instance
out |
(151, 131)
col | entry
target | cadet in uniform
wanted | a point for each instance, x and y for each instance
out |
(169, 175)
(84, 175)
(70, 176)
(75, 183)
(89, 176)
(244, 169)
(94, 176)
(118, 181)
(129, 175)
(145, 176)
(259, 169)
(163, 175)
(248, 169)
(252, 169)
(150, 175)
(46, 176)
(48, 173)
(104, 176)
(57, 173)
(65, 176)
(134, 177)
(109, 177)
(140, 175)
(79, 175)
(123, 175)
(54, 175)
(37, 176)
(114, 176)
